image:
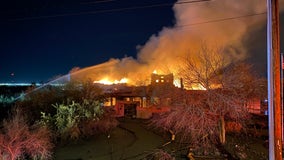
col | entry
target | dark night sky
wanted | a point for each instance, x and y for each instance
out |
(36, 49)
(43, 39)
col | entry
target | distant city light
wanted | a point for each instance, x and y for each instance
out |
(19, 84)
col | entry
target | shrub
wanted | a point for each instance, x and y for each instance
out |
(234, 127)
(18, 139)
(105, 124)
(70, 116)
(160, 155)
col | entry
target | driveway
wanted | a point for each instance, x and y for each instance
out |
(129, 141)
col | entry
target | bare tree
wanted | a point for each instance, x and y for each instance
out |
(190, 122)
(203, 68)
(228, 85)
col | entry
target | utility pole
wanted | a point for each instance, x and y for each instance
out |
(274, 85)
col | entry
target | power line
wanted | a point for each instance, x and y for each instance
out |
(109, 10)
(181, 2)
(146, 6)
(222, 19)
(184, 2)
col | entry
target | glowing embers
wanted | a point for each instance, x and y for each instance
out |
(107, 81)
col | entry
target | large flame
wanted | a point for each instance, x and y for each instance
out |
(194, 23)
(107, 81)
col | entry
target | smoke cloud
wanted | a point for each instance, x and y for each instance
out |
(217, 22)
(212, 22)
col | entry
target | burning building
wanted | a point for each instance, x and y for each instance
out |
(145, 100)
(164, 49)
(157, 79)
(141, 101)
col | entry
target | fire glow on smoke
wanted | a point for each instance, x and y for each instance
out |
(163, 50)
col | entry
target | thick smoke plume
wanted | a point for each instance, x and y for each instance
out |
(218, 23)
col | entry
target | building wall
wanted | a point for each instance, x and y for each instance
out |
(157, 79)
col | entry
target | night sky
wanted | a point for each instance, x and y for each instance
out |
(44, 39)
(47, 38)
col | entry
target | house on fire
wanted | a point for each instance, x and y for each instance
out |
(141, 101)
(144, 101)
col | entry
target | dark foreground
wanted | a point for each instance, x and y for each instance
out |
(132, 141)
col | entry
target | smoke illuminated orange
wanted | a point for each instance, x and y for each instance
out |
(162, 52)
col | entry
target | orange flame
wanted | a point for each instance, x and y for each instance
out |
(162, 50)
(107, 81)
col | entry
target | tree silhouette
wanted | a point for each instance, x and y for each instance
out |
(228, 85)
